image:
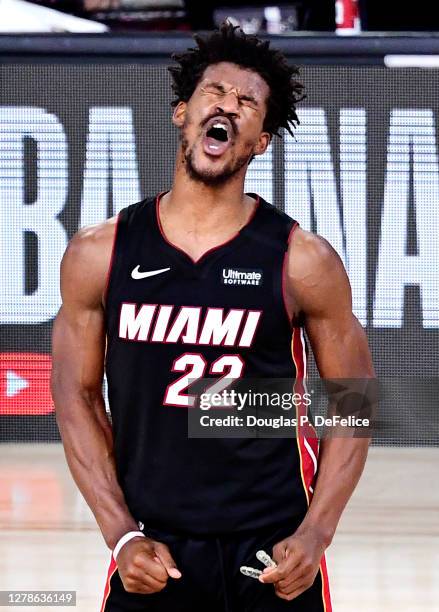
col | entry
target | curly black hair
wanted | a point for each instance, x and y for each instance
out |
(231, 44)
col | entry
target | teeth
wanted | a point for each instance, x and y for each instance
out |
(220, 126)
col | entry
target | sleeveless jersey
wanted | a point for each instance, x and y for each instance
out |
(169, 318)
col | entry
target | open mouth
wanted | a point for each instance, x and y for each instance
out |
(218, 132)
(217, 139)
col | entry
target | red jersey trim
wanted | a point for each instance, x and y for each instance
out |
(308, 448)
(111, 570)
(215, 248)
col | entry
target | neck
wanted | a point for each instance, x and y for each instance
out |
(205, 205)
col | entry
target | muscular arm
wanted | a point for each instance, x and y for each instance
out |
(78, 348)
(318, 291)
(78, 362)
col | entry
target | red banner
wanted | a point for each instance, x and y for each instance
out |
(24, 384)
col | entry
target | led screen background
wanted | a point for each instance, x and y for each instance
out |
(80, 142)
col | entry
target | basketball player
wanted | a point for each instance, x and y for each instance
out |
(145, 294)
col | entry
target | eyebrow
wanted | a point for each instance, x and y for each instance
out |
(221, 88)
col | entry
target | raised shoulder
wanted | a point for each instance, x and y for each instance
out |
(311, 250)
(316, 279)
(86, 263)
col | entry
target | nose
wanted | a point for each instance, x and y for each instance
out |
(229, 103)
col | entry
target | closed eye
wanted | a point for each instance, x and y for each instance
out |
(219, 90)
(249, 99)
(214, 88)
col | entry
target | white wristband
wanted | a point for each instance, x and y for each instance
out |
(126, 538)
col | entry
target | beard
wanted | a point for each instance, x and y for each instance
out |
(211, 178)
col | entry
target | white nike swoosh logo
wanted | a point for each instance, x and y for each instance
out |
(137, 275)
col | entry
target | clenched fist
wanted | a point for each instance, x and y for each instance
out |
(145, 565)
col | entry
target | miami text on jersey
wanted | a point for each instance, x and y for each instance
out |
(191, 325)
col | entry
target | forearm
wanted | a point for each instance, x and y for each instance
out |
(88, 445)
(341, 463)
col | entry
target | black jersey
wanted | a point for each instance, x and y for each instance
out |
(171, 320)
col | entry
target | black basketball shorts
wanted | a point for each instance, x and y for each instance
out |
(211, 580)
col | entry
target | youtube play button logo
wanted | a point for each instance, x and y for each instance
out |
(25, 384)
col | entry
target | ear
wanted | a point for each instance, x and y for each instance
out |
(179, 114)
(262, 144)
